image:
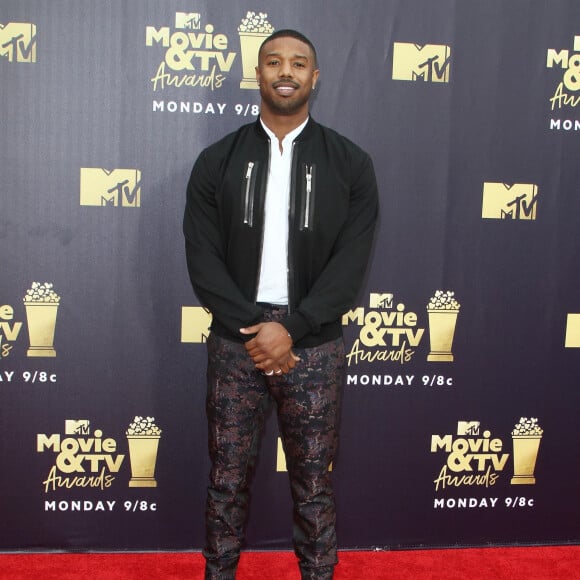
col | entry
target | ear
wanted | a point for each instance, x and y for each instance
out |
(258, 75)
(315, 75)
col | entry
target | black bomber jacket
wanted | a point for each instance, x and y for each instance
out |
(333, 211)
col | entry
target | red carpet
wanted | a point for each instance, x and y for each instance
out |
(543, 563)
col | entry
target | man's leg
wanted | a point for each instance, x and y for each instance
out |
(236, 403)
(308, 408)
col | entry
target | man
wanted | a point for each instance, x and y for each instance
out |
(278, 225)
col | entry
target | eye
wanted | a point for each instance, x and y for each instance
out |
(299, 64)
(273, 62)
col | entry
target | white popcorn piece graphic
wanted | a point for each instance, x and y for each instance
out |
(527, 428)
(41, 293)
(257, 23)
(443, 301)
(143, 426)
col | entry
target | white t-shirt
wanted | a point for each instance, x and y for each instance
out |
(273, 285)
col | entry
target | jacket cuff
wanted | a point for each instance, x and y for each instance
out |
(297, 326)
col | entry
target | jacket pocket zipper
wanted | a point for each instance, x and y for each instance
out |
(309, 191)
(249, 196)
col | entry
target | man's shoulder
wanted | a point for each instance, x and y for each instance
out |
(333, 137)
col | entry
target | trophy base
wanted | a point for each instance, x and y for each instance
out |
(46, 351)
(523, 479)
(249, 84)
(142, 482)
(440, 357)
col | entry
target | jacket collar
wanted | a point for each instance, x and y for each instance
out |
(304, 134)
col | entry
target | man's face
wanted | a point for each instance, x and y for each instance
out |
(286, 74)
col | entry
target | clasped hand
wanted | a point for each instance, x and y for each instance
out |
(271, 348)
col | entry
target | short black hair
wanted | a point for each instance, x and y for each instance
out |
(288, 32)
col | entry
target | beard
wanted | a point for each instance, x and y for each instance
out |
(284, 105)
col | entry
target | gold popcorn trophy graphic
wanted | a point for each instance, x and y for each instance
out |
(143, 437)
(443, 310)
(526, 438)
(41, 303)
(253, 30)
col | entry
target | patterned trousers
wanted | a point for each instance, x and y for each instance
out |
(307, 401)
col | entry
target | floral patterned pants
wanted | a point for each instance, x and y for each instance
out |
(307, 401)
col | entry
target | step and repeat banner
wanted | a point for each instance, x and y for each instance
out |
(460, 407)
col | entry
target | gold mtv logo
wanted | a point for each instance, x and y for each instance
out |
(118, 187)
(188, 20)
(380, 300)
(281, 458)
(515, 202)
(427, 62)
(18, 41)
(195, 323)
(468, 428)
(77, 427)
(572, 331)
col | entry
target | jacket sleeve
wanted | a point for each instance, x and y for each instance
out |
(336, 289)
(205, 253)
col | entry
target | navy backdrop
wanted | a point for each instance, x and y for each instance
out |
(459, 422)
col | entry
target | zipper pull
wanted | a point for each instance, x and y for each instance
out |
(308, 179)
(249, 171)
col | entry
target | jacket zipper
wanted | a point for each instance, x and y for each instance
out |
(249, 197)
(306, 223)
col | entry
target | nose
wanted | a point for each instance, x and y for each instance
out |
(285, 69)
